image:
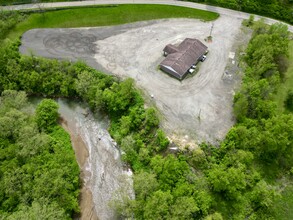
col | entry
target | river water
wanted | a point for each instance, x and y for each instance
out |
(98, 157)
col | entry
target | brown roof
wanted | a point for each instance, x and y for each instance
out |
(181, 58)
(171, 49)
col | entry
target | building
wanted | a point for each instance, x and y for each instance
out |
(179, 59)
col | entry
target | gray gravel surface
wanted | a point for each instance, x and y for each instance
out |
(199, 107)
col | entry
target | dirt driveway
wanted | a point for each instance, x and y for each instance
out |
(197, 108)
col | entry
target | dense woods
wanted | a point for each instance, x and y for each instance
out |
(236, 180)
(38, 172)
(261, 128)
(16, 2)
(279, 9)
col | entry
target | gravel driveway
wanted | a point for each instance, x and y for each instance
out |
(197, 108)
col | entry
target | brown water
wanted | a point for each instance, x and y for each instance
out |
(87, 207)
(98, 157)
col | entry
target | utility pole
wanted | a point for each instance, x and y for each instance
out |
(212, 29)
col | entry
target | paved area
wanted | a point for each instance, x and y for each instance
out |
(199, 107)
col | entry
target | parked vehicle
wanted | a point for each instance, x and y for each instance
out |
(203, 58)
(191, 70)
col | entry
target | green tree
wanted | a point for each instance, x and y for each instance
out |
(128, 145)
(47, 114)
(144, 184)
(161, 140)
(119, 96)
(214, 216)
(183, 208)
(157, 205)
(11, 123)
(13, 99)
(38, 211)
(169, 170)
(31, 145)
(228, 180)
(151, 120)
(262, 196)
(276, 140)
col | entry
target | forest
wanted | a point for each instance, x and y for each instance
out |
(278, 9)
(39, 177)
(240, 179)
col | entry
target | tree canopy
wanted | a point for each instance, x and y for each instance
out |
(39, 177)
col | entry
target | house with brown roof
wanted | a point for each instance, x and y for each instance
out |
(179, 59)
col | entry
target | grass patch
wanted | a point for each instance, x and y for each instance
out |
(103, 16)
(281, 95)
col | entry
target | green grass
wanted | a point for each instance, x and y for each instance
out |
(106, 15)
(281, 94)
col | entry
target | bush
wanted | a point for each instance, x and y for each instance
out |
(8, 19)
(47, 115)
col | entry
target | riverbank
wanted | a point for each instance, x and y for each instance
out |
(86, 204)
(99, 160)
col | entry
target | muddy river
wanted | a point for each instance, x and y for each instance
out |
(98, 157)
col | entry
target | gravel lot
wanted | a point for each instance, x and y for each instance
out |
(197, 108)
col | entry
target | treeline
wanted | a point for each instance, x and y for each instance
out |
(258, 149)
(8, 19)
(278, 9)
(133, 126)
(17, 2)
(261, 128)
(39, 177)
